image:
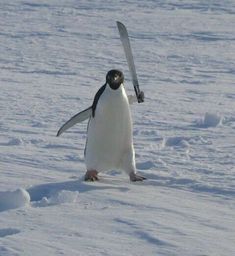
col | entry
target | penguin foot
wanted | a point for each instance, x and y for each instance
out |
(136, 177)
(91, 175)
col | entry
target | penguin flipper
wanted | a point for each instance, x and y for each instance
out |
(132, 99)
(78, 118)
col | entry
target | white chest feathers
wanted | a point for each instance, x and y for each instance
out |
(109, 137)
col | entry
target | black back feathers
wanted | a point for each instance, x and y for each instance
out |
(96, 99)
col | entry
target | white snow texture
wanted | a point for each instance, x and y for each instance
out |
(54, 56)
(14, 199)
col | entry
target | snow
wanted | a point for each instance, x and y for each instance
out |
(61, 197)
(210, 120)
(54, 55)
(14, 199)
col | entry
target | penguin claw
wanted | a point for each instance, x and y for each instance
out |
(91, 176)
(136, 177)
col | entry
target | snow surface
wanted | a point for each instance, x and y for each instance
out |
(14, 199)
(54, 55)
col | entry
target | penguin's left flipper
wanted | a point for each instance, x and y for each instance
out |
(78, 118)
(132, 99)
(136, 177)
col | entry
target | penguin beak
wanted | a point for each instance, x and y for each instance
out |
(115, 83)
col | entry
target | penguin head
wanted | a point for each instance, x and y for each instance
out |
(114, 78)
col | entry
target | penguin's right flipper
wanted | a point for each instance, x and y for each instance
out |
(78, 118)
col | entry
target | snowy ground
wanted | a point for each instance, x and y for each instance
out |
(53, 57)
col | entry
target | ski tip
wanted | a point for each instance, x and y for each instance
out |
(122, 28)
(120, 24)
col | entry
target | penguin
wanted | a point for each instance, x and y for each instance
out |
(109, 144)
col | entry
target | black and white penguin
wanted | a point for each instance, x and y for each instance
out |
(109, 144)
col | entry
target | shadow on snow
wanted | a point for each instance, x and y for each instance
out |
(40, 191)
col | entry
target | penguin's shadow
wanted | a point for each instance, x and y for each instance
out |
(38, 192)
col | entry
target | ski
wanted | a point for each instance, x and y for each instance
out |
(130, 60)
